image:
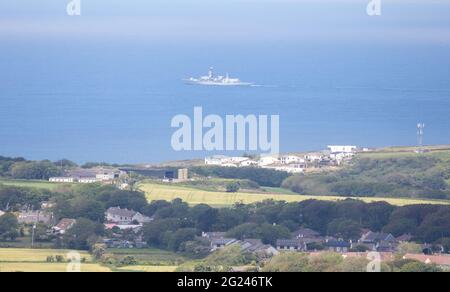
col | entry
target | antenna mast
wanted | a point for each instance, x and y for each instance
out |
(420, 134)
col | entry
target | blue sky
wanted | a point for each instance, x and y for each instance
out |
(422, 21)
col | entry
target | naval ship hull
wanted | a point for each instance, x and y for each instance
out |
(211, 83)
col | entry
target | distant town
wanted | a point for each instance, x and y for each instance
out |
(335, 156)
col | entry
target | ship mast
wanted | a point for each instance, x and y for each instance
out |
(211, 72)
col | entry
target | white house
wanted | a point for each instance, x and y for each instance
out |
(267, 160)
(342, 149)
(238, 160)
(32, 217)
(106, 176)
(47, 205)
(216, 160)
(87, 180)
(220, 243)
(63, 226)
(289, 159)
(256, 246)
(247, 163)
(138, 217)
(125, 216)
(62, 179)
(314, 157)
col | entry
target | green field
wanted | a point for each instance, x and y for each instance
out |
(25, 242)
(38, 184)
(168, 192)
(441, 152)
(35, 260)
(34, 255)
(147, 269)
(149, 257)
(48, 267)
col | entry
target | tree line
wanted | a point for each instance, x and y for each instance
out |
(399, 177)
(20, 168)
(261, 176)
(177, 226)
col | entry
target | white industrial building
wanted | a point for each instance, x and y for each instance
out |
(342, 149)
(62, 179)
(106, 176)
(87, 180)
(290, 159)
(216, 160)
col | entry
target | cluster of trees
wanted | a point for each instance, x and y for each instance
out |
(176, 222)
(327, 262)
(19, 168)
(414, 177)
(223, 261)
(427, 223)
(13, 198)
(331, 262)
(261, 176)
(41, 170)
(84, 235)
(88, 165)
(9, 227)
(6, 163)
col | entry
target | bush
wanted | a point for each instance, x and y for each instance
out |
(233, 187)
(9, 227)
(50, 259)
(417, 267)
(128, 261)
(196, 249)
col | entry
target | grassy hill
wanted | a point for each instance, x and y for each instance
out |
(392, 173)
(38, 184)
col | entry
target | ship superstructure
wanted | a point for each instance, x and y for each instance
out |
(219, 80)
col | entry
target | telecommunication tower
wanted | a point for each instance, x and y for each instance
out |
(420, 134)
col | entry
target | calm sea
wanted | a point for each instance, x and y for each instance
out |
(109, 102)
